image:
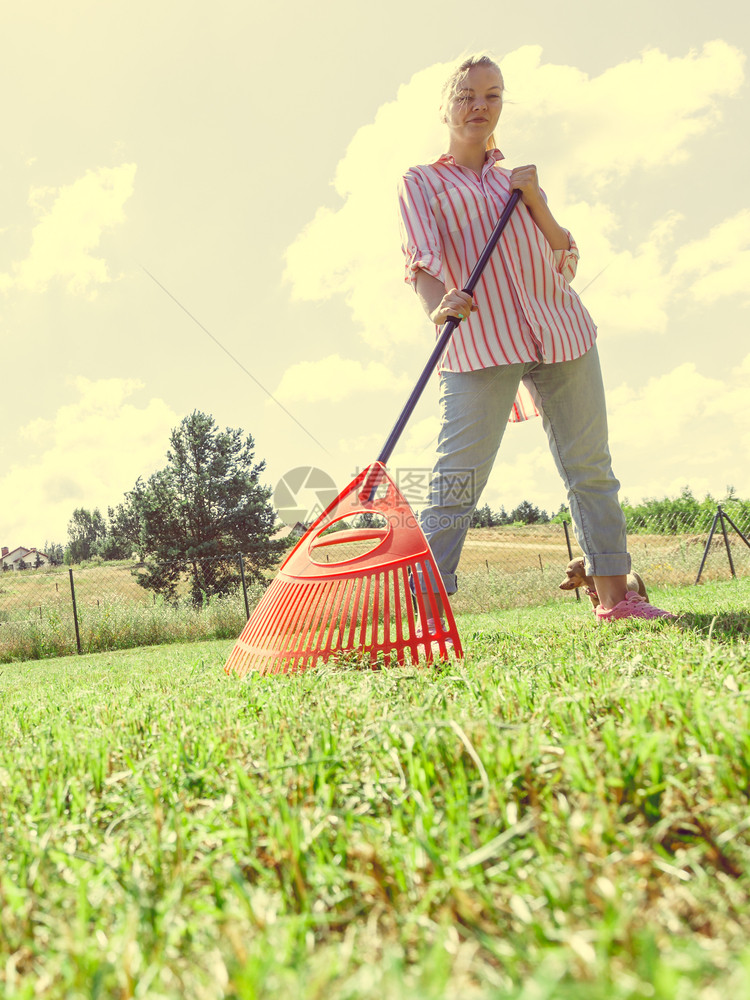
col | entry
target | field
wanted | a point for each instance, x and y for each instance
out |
(49, 587)
(564, 816)
(507, 567)
(113, 612)
(489, 553)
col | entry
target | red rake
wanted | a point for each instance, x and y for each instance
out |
(331, 597)
(360, 602)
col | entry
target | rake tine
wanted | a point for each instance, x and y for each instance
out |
(355, 613)
(339, 612)
(293, 614)
(364, 614)
(326, 606)
(307, 629)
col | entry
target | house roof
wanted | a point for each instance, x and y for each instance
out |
(21, 549)
(22, 553)
(298, 529)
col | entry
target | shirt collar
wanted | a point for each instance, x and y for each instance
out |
(492, 156)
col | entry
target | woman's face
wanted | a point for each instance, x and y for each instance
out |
(473, 110)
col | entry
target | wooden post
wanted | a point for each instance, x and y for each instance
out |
(244, 584)
(708, 546)
(726, 541)
(75, 610)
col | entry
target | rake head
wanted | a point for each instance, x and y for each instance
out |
(366, 590)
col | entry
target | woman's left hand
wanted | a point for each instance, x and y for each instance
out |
(525, 180)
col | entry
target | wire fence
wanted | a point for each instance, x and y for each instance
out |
(513, 566)
(59, 610)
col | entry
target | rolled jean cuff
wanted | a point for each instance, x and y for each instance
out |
(608, 564)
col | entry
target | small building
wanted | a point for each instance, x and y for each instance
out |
(295, 530)
(22, 558)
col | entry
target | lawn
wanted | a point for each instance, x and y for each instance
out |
(564, 815)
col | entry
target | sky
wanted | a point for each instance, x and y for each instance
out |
(198, 212)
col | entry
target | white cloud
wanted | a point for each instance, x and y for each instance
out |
(587, 132)
(335, 378)
(354, 251)
(636, 288)
(662, 409)
(72, 219)
(88, 455)
(638, 114)
(720, 261)
(682, 427)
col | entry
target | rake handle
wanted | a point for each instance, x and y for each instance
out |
(447, 332)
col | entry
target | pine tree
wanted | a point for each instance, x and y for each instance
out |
(204, 507)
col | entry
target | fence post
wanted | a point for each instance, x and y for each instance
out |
(708, 546)
(75, 610)
(726, 517)
(570, 553)
(726, 541)
(244, 584)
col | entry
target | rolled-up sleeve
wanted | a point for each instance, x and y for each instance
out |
(420, 239)
(566, 261)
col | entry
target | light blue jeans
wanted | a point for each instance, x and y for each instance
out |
(475, 407)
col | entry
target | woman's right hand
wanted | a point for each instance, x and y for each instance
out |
(455, 304)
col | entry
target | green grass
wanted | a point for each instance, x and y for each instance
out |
(122, 625)
(565, 815)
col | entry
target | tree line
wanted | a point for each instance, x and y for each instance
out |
(120, 534)
(524, 513)
(663, 516)
(685, 513)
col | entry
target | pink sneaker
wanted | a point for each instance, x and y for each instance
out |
(634, 606)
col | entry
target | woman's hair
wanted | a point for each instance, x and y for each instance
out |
(450, 87)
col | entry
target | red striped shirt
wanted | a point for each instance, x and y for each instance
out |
(527, 310)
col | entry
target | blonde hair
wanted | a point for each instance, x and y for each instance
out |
(450, 87)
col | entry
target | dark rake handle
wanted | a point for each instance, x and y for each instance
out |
(447, 332)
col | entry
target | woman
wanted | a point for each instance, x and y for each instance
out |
(526, 343)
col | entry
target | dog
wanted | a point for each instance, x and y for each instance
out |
(575, 576)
